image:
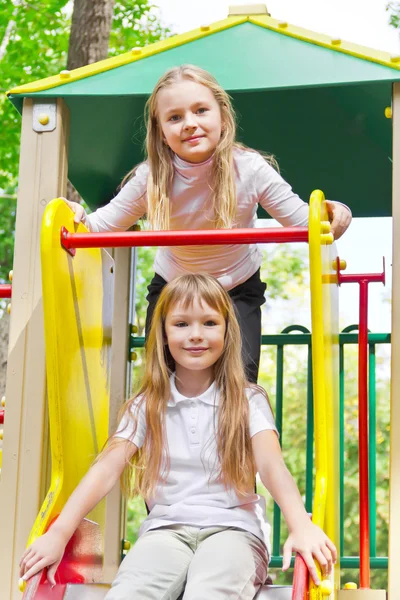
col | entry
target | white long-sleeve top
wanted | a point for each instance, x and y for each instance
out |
(191, 208)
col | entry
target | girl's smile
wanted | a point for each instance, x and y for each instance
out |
(196, 350)
(190, 120)
(193, 139)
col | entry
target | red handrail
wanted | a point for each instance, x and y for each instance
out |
(71, 241)
(300, 579)
(5, 290)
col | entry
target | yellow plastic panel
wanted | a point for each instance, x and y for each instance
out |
(325, 356)
(77, 300)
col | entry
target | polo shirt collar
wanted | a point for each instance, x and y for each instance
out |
(210, 396)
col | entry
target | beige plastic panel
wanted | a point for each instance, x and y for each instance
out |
(115, 505)
(275, 592)
(394, 475)
(24, 477)
(98, 592)
(362, 595)
(86, 592)
(247, 9)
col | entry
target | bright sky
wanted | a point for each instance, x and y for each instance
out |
(363, 22)
(360, 21)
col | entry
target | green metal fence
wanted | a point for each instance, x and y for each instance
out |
(297, 335)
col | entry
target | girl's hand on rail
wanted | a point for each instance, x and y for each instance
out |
(77, 209)
(339, 216)
(46, 551)
(312, 543)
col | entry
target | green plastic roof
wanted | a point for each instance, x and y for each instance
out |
(320, 111)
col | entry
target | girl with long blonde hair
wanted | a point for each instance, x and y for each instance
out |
(197, 176)
(194, 437)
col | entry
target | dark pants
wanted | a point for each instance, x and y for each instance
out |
(247, 299)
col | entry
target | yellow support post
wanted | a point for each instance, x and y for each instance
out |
(325, 340)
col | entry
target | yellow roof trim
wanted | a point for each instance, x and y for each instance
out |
(128, 57)
(284, 28)
(319, 39)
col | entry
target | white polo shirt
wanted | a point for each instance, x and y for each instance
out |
(191, 495)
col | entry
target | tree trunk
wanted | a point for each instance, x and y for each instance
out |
(88, 43)
(90, 32)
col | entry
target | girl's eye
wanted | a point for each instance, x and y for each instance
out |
(181, 324)
(174, 118)
(210, 323)
(202, 110)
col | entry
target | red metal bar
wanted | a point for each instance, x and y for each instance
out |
(363, 435)
(300, 579)
(5, 290)
(183, 238)
(1, 416)
(358, 277)
(369, 277)
(363, 280)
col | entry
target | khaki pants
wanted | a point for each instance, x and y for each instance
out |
(192, 563)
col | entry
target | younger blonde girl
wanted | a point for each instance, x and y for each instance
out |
(195, 438)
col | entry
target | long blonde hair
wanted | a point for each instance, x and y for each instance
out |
(150, 464)
(160, 156)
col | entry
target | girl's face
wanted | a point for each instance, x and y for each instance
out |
(195, 336)
(190, 120)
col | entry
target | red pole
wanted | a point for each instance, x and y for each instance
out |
(363, 435)
(5, 290)
(300, 579)
(363, 432)
(71, 241)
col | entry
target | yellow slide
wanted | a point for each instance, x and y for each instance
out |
(78, 303)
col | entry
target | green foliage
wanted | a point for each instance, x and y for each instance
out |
(135, 23)
(37, 48)
(34, 35)
(136, 514)
(7, 220)
(144, 274)
(38, 41)
(394, 8)
(284, 268)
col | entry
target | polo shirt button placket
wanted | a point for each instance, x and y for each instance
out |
(193, 430)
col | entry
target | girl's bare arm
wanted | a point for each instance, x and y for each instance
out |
(48, 549)
(304, 537)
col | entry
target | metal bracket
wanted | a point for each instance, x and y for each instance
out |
(44, 116)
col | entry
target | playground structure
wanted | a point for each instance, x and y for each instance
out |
(346, 81)
(77, 295)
